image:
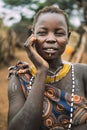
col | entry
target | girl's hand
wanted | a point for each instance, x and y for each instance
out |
(37, 60)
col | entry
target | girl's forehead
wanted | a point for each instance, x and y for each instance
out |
(51, 18)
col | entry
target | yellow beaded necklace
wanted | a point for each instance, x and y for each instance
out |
(51, 79)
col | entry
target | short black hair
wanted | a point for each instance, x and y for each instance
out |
(50, 9)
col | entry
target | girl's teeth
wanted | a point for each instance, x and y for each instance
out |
(50, 49)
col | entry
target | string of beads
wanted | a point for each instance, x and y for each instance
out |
(72, 98)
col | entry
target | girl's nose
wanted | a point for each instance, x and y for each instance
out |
(51, 39)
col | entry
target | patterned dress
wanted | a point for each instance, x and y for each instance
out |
(56, 103)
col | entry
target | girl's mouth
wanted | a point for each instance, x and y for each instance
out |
(50, 50)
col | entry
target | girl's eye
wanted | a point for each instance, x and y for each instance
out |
(41, 33)
(59, 33)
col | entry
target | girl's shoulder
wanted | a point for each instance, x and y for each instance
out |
(80, 68)
(24, 73)
(19, 69)
(80, 65)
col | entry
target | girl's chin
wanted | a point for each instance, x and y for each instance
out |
(50, 57)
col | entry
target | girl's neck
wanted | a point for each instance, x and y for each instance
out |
(54, 64)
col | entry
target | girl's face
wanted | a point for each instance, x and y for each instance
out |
(51, 32)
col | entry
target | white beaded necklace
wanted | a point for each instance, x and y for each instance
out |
(72, 98)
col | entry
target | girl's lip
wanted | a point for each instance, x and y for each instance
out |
(50, 50)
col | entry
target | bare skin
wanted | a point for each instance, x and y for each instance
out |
(50, 39)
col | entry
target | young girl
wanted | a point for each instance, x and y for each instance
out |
(51, 95)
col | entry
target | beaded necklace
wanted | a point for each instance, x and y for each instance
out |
(56, 77)
(55, 72)
(72, 99)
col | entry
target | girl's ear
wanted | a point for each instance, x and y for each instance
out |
(69, 34)
(30, 31)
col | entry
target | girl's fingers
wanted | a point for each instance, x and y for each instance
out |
(30, 41)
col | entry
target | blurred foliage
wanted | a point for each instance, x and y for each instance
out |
(17, 2)
(35, 5)
(67, 5)
(64, 4)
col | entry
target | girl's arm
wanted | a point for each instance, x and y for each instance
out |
(27, 114)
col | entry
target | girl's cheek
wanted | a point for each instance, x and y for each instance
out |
(40, 39)
(62, 41)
